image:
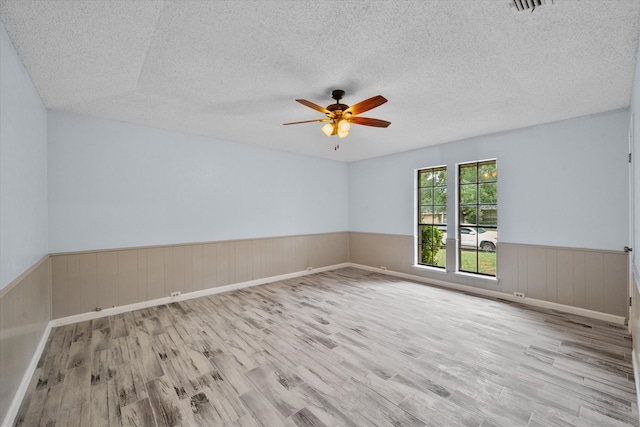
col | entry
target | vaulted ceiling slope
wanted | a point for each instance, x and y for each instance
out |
(231, 70)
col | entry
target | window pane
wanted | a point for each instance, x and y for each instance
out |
(426, 255)
(440, 178)
(468, 261)
(488, 192)
(488, 215)
(443, 229)
(440, 257)
(468, 238)
(426, 214)
(487, 239)
(440, 196)
(468, 194)
(468, 174)
(487, 263)
(487, 172)
(468, 215)
(426, 196)
(426, 178)
(431, 239)
(439, 214)
(426, 234)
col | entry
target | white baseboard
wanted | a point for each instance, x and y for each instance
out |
(190, 295)
(12, 412)
(611, 318)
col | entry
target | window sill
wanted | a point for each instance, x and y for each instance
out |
(477, 276)
(430, 269)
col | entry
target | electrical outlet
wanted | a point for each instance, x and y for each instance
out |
(175, 294)
(383, 268)
(519, 294)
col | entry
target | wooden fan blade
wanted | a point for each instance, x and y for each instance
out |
(366, 105)
(365, 121)
(308, 121)
(312, 105)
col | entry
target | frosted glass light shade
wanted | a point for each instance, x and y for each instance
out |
(344, 126)
(328, 129)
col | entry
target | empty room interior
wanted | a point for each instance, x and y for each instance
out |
(336, 213)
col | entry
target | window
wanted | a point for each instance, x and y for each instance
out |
(432, 217)
(478, 217)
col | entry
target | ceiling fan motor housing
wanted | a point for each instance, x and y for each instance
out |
(336, 94)
(336, 107)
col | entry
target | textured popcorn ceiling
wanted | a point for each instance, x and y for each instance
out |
(231, 70)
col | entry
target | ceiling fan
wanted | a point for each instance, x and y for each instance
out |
(339, 117)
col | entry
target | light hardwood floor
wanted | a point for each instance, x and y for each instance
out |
(346, 347)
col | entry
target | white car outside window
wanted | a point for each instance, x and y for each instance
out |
(472, 237)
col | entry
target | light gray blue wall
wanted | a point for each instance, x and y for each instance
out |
(560, 184)
(114, 185)
(23, 167)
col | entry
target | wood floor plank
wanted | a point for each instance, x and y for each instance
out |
(127, 389)
(305, 418)
(54, 368)
(100, 323)
(77, 387)
(79, 354)
(138, 414)
(101, 372)
(99, 404)
(149, 363)
(165, 404)
(223, 397)
(200, 410)
(180, 375)
(51, 407)
(118, 326)
(339, 348)
(228, 370)
(82, 331)
(114, 399)
(101, 339)
(267, 379)
(375, 407)
(244, 421)
(78, 416)
(31, 411)
(319, 410)
(263, 412)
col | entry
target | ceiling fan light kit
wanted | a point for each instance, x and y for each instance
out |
(328, 129)
(340, 117)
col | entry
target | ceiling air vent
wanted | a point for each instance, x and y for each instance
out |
(529, 5)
